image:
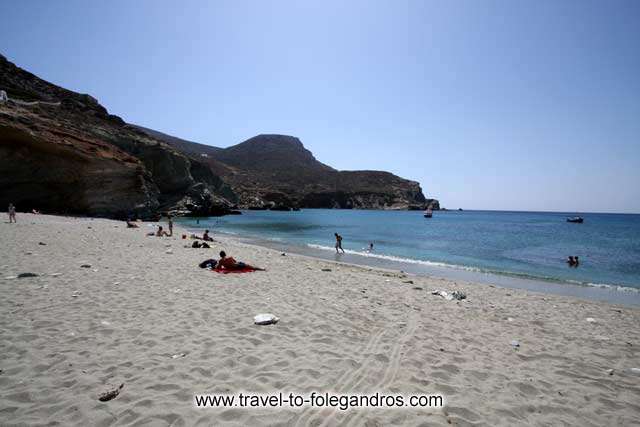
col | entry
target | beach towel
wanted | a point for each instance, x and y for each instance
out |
(238, 270)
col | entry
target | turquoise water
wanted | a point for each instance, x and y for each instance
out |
(531, 245)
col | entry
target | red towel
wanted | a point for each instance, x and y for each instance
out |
(238, 270)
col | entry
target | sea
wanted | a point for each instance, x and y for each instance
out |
(525, 250)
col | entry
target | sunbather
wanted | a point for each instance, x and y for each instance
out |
(228, 263)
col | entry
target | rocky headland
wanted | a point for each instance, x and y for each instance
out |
(63, 152)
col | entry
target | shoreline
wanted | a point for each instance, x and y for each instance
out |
(108, 305)
(614, 294)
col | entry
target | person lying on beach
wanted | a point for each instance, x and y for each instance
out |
(228, 263)
(204, 237)
(131, 224)
(161, 232)
(197, 244)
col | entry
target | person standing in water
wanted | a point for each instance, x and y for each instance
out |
(338, 243)
(12, 213)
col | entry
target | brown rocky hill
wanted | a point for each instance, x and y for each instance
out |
(277, 171)
(62, 152)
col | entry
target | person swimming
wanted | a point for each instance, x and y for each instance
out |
(573, 261)
(229, 263)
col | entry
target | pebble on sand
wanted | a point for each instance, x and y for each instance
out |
(111, 394)
(23, 275)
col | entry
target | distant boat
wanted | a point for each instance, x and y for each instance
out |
(576, 219)
(428, 213)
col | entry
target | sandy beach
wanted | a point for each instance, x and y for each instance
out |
(143, 314)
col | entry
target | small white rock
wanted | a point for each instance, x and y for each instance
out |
(265, 319)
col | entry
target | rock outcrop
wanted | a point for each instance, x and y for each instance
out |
(62, 152)
(278, 172)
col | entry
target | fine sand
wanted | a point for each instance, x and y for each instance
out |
(144, 315)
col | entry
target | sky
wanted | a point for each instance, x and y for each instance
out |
(509, 105)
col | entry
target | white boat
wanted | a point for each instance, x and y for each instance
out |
(428, 213)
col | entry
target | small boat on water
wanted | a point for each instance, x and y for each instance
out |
(576, 219)
(428, 213)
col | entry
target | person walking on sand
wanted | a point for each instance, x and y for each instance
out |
(338, 243)
(170, 225)
(12, 213)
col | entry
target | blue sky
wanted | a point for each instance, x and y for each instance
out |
(522, 105)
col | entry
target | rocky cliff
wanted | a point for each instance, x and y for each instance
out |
(62, 152)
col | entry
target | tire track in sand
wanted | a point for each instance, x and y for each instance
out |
(390, 372)
(307, 416)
